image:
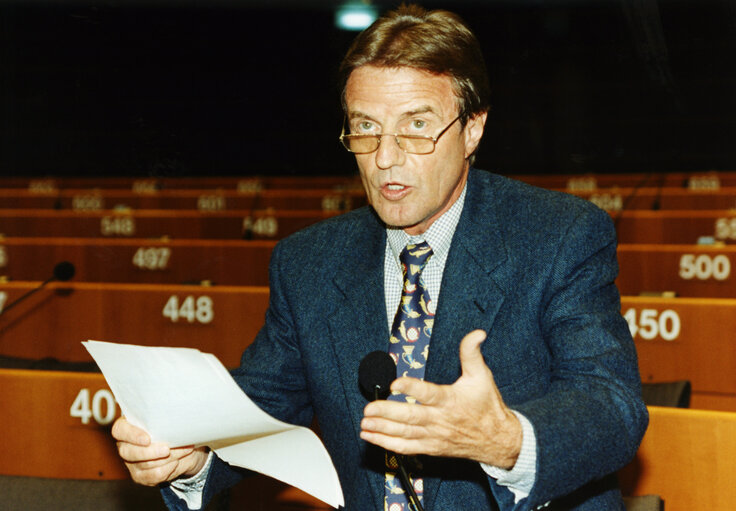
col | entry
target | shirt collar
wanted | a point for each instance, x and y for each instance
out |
(439, 235)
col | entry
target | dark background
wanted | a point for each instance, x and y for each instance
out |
(172, 88)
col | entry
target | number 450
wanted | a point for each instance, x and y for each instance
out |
(651, 323)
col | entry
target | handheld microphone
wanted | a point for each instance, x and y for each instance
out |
(63, 271)
(376, 372)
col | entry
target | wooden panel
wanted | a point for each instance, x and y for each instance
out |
(57, 425)
(185, 224)
(701, 180)
(675, 338)
(54, 321)
(695, 180)
(687, 270)
(139, 260)
(687, 338)
(618, 199)
(248, 184)
(682, 338)
(688, 457)
(713, 401)
(195, 199)
(672, 227)
(675, 227)
(41, 439)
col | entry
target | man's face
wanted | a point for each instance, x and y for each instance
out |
(410, 191)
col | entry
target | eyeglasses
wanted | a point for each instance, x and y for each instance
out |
(413, 144)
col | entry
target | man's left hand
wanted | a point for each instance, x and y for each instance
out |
(467, 419)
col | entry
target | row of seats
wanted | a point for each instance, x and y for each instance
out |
(145, 223)
(253, 184)
(687, 456)
(139, 260)
(677, 270)
(196, 199)
(676, 337)
(670, 227)
(181, 277)
(613, 199)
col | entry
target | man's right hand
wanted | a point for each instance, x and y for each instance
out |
(154, 463)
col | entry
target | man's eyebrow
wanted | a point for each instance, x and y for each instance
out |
(359, 115)
(409, 113)
(420, 110)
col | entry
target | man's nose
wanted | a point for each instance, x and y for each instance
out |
(389, 153)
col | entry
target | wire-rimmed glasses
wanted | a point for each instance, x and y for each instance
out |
(413, 144)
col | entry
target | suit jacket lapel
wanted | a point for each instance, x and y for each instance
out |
(473, 282)
(472, 291)
(358, 324)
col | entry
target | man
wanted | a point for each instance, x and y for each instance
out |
(528, 392)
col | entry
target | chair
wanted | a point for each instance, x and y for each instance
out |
(35, 493)
(688, 457)
(644, 503)
(674, 394)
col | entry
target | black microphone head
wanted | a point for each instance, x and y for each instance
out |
(64, 271)
(376, 372)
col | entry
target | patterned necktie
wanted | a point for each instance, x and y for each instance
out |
(409, 347)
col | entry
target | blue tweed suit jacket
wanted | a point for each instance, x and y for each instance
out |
(535, 269)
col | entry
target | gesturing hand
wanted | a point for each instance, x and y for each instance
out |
(467, 419)
(154, 463)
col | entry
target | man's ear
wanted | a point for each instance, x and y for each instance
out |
(473, 132)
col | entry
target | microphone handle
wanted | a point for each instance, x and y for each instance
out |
(406, 483)
(403, 475)
(29, 293)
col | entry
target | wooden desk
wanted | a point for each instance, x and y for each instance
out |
(688, 457)
(57, 425)
(687, 338)
(187, 224)
(194, 199)
(573, 182)
(139, 260)
(675, 227)
(40, 436)
(688, 270)
(681, 338)
(249, 184)
(618, 199)
(54, 321)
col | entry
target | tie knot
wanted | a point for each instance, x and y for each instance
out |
(416, 255)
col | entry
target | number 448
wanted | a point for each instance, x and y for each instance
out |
(190, 309)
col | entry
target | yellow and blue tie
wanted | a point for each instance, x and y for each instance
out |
(409, 347)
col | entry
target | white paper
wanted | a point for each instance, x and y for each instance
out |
(182, 396)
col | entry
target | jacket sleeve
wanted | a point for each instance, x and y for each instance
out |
(270, 374)
(591, 419)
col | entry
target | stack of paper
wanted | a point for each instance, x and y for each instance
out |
(182, 396)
